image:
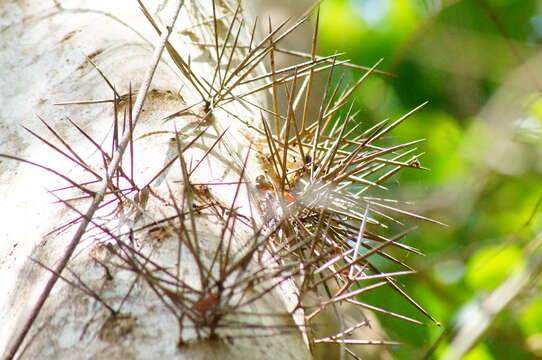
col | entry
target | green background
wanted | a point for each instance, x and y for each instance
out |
(477, 62)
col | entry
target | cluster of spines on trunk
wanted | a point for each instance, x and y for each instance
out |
(319, 172)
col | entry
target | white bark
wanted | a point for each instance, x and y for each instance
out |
(44, 61)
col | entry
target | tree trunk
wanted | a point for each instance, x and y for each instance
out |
(163, 269)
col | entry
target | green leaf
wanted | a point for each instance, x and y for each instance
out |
(491, 265)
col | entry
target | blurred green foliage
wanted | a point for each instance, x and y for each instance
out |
(478, 64)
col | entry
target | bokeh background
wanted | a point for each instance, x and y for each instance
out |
(478, 63)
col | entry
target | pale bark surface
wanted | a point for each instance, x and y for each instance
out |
(43, 54)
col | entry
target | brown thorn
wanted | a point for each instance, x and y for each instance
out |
(208, 151)
(274, 90)
(83, 288)
(83, 165)
(195, 248)
(311, 76)
(172, 161)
